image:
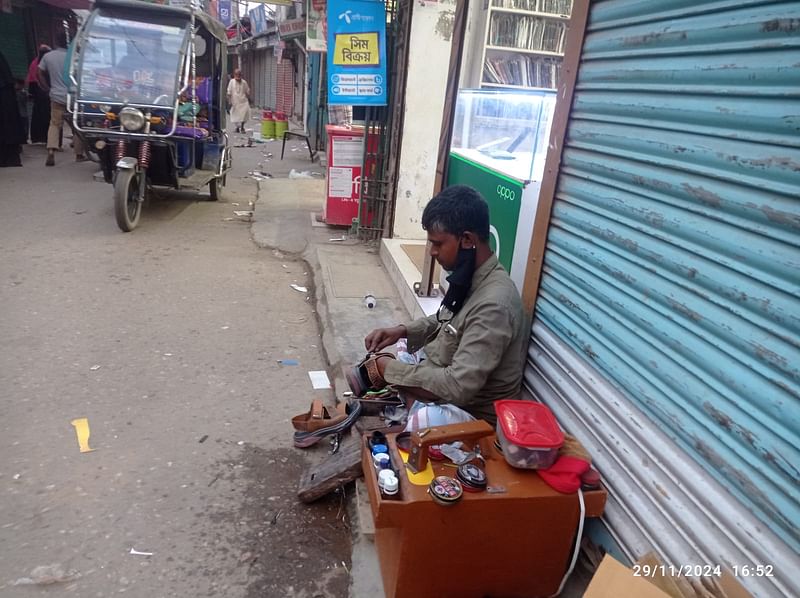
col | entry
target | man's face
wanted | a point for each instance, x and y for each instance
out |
(237, 75)
(444, 248)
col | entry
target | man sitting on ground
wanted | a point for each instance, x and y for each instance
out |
(474, 343)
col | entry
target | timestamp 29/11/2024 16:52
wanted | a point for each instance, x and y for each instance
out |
(701, 570)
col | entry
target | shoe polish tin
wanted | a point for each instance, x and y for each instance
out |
(472, 477)
(445, 490)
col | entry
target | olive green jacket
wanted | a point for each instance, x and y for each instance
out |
(477, 357)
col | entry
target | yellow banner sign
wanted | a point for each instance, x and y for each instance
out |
(356, 49)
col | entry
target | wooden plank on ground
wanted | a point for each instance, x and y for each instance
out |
(365, 521)
(340, 468)
(368, 423)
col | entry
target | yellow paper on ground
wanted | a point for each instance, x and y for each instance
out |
(82, 430)
(423, 478)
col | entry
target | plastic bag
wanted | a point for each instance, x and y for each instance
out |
(426, 415)
(406, 357)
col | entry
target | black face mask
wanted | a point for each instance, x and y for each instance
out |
(460, 280)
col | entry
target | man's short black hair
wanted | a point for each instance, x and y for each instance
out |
(456, 210)
(61, 39)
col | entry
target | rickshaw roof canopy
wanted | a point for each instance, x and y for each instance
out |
(213, 26)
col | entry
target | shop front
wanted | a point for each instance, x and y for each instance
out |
(659, 267)
(498, 147)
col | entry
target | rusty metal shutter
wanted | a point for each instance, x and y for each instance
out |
(299, 88)
(666, 329)
(285, 87)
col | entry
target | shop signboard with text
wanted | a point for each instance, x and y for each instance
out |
(258, 19)
(357, 52)
(225, 16)
(291, 28)
(317, 26)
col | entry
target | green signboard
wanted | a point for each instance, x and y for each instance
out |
(502, 193)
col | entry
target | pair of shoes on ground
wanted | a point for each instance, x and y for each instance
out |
(321, 421)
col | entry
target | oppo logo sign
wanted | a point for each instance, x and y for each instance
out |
(506, 193)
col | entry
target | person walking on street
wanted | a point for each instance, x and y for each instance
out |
(239, 100)
(40, 113)
(51, 79)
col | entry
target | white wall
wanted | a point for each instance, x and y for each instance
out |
(428, 63)
(471, 62)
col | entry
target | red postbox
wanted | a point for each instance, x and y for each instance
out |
(345, 159)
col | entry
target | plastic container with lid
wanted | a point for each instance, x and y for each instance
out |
(281, 124)
(267, 124)
(528, 433)
(378, 458)
(390, 486)
(385, 475)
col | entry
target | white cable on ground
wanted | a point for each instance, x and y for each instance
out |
(577, 544)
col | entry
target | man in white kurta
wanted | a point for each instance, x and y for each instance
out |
(239, 100)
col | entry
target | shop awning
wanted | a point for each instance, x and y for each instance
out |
(68, 4)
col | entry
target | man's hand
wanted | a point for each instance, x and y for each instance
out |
(383, 337)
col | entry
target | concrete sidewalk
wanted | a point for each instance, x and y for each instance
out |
(344, 271)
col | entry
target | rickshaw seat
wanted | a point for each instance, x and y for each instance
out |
(203, 90)
(203, 94)
(191, 132)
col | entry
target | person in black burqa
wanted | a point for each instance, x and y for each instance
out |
(12, 126)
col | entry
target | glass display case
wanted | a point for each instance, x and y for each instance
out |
(506, 131)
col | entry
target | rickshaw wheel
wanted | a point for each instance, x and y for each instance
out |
(215, 188)
(127, 207)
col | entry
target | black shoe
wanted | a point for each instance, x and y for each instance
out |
(51, 160)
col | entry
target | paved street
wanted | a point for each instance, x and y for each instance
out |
(167, 340)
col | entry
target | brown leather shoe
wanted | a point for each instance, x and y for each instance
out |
(319, 416)
(365, 376)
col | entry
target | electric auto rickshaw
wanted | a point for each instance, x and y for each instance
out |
(148, 91)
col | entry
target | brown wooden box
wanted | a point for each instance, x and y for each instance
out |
(512, 544)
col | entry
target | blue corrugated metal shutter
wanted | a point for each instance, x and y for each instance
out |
(667, 325)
